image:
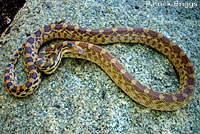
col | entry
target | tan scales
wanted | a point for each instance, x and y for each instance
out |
(133, 88)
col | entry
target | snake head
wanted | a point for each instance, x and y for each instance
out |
(49, 59)
(71, 50)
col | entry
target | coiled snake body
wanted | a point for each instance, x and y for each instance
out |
(98, 55)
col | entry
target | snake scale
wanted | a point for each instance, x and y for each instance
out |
(133, 88)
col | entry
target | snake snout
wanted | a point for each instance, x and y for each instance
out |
(80, 50)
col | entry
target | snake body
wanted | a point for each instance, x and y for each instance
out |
(133, 88)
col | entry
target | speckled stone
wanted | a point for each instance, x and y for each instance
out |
(79, 97)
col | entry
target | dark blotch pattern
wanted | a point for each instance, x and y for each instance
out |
(16, 54)
(154, 94)
(7, 71)
(188, 91)
(14, 89)
(47, 28)
(121, 30)
(31, 67)
(7, 77)
(185, 59)
(30, 40)
(27, 90)
(9, 84)
(40, 62)
(58, 26)
(28, 84)
(107, 31)
(35, 82)
(29, 59)
(82, 30)
(94, 32)
(180, 97)
(33, 75)
(21, 90)
(168, 97)
(20, 49)
(176, 49)
(99, 35)
(28, 50)
(38, 33)
(153, 33)
(191, 81)
(70, 27)
(166, 40)
(18, 93)
(12, 60)
(137, 29)
(140, 86)
(190, 70)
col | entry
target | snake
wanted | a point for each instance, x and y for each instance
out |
(82, 45)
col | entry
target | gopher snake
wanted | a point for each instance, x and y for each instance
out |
(98, 55)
